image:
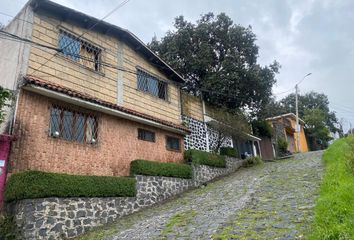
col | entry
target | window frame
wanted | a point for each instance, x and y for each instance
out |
(74, 138)
(147, 131)
(82, 40)
(173, 149)
(159, 81)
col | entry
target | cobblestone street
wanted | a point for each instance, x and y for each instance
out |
(270, 201)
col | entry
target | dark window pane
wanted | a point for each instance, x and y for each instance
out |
(151, 84)
(173, 143)
(146, 135)
(69, 45)
(55, 122)
(67, 131)
(79, 127)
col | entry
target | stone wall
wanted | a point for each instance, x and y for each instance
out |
(203, 173)
(58, 218)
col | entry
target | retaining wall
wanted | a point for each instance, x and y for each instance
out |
(58, 218)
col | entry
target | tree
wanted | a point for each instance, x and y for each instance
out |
(316, 128)
(218, 59)
(312, 100)
(226, 124)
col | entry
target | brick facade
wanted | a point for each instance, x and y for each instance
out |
(116, 147)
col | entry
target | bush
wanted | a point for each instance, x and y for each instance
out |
(36, 184)
(7, 228)
(228, 151)
(152, 168)
(251, 161)
(334, 210)
(204, 158)
(282, 146)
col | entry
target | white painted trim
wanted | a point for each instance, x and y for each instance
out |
(99, 108)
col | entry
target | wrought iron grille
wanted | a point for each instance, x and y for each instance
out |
(72, 125)
(152, 85)
(80, 51)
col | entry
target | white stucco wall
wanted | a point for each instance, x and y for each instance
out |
(14, 59)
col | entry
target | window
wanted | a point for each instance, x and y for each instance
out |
(72, 126)
(152, 85)
(146, 135)
(173, 143)
(80, 51)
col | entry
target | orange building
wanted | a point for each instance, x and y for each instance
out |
(285, 126)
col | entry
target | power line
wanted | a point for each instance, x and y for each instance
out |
(94, 25)
(8, 15)
(13, 37)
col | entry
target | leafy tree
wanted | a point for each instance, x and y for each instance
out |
(218, 59)
(262, 128)
(312, 100)
(316, 128)
(226, 124)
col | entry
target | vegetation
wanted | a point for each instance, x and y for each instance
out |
(35, 184)
(262, 128)
(7, 228)
(152, 168)
(314, 109)
(5, 96)
(204, 158)
(219, 61)
(178, 220)
(316, 128)
(227, 124)
(282, 146)
(229, 151)
(251, 161)
(334, 210)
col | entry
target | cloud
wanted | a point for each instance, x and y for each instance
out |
(303, 35)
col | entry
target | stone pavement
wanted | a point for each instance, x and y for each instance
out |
(269, 201)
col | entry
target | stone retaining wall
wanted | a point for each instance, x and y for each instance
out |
(58, 218)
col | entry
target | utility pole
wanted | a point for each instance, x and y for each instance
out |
(297, 127)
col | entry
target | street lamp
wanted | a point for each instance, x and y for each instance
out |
(297, 112)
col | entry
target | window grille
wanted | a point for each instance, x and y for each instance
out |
(72, 126)
(152, 85)
(80, 51)
(173, 143)
(146, 135)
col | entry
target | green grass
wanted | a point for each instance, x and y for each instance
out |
(178, 220)
(36, 184)
(334, 210)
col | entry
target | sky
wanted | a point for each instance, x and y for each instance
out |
(304, 36)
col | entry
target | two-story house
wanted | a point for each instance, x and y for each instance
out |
(90, 97)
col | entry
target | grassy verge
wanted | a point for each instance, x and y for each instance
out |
(334, 210)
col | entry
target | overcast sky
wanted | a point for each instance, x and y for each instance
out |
(304, 36)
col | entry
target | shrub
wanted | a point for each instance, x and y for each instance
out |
(205, 158)
(228, 151)
(251, 161)
(282, 146)
(152, 168)
(36, 184)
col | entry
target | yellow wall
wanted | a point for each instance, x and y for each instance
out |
(192, 106)
(303, 142)
(102, 85)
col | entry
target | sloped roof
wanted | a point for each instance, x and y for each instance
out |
(85, 21)
(290, 115)
(32, 80)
